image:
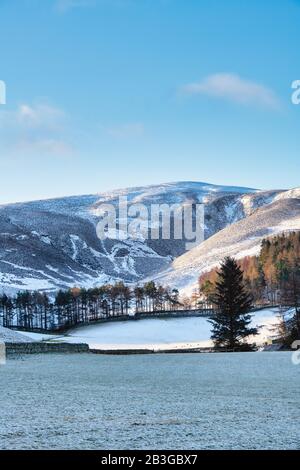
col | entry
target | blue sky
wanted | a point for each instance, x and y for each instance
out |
(103, 94)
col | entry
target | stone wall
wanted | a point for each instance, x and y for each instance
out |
(44, 347)
(127, 352)
(175, 314)
(2, 353)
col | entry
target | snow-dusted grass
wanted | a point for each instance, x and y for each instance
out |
(169, 401)
(158, 333)
(11, 336)
(267, 321)
(39, 336)
(143, 334)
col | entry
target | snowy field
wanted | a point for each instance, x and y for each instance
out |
(156, 333)
(171, 333)
(181, 401)
(11, 336)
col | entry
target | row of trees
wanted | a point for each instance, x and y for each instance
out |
(35, 310)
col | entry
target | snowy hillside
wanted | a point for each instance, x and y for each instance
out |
(10, 336)
(52, 244)
(240, 239)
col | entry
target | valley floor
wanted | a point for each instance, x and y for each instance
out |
(182, 401)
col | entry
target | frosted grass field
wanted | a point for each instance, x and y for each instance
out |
(179, 401)
(158, 333)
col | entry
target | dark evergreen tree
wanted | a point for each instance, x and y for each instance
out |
(231, 321)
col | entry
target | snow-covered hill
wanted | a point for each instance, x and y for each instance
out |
(243, 238)
(53, 244)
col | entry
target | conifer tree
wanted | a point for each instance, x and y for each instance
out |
(231, 321)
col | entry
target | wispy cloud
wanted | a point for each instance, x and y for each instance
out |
(234, 88)
(125, 131)
(37, 129)
(39, 116)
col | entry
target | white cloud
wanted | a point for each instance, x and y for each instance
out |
(39, 115)
(34, 130)
(125, 131)
(234, 88)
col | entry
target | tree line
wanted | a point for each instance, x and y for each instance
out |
(36, 310)
(233, 289)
